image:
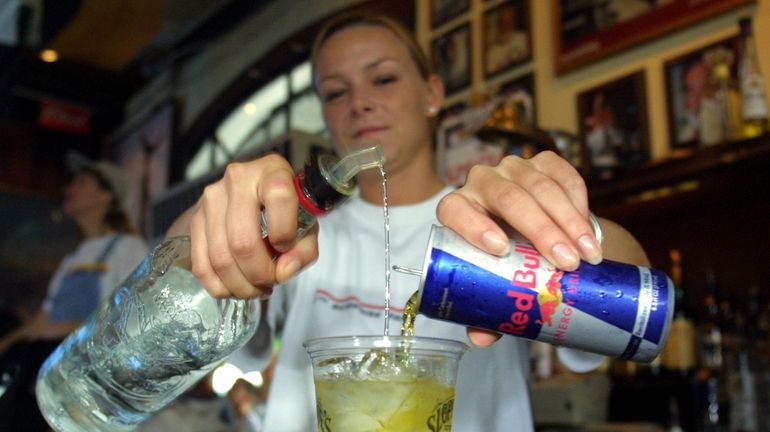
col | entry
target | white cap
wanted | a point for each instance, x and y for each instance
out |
(113, 175)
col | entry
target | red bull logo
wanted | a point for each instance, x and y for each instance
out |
(550, 297)
(547, 301)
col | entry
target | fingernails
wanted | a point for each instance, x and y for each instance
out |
(290, 270)
(495, 243)
(565, 257)
(590, 249)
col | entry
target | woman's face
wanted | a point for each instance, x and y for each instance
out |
(84, 194)
(371, 91)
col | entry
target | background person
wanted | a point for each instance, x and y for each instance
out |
(108, 251)
(375, 85)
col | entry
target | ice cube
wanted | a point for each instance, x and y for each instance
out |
(379, 364)
(338, 367)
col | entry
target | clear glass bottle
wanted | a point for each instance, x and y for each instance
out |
(161, 331)
(754, 112)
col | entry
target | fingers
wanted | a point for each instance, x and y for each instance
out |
(279, 199)
(303, 253)
(201, 265)
(482, 337)
(218, 267)
(564, 174)
(229, 255)
(542, 198)
(473, 223)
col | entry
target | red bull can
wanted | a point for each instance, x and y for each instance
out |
(614, 309)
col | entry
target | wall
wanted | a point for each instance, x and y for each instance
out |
(556, 95)
(198, 81)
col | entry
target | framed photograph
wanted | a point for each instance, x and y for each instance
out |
(451, 54)
(586, 31)
(443, 11)
(459, 148)
(614, 126)
(507, 37)
(690, 98)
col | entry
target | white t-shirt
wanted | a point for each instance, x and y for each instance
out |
(343, 294)
(126, 254)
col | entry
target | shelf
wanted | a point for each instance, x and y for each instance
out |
(727, 174)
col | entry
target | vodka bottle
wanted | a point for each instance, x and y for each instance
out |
(161, 331)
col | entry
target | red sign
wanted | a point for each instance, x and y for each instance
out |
(64, 117)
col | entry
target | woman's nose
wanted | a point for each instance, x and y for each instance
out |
(360, 101)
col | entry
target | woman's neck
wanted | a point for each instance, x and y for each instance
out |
(92, 226)
(402, 189)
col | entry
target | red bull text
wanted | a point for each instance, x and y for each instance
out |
(615, 309)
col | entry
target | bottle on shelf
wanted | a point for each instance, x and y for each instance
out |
(711, 393)
(678, 358)
(754, 113)
(724, 120)
(739, 376)
(751, 377)
(161, 331)
(674, 422)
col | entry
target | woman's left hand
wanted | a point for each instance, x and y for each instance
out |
(543, 198)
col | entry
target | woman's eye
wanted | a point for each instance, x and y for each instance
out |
(332, 95)
(385, 79)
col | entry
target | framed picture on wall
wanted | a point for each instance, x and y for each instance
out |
(614, 125)
(690, 98)
(586, 31)
(451, 55)
(443, 11)
(507, 37)
(458, 147)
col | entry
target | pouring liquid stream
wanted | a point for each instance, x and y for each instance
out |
(386, 217)
(412, 305)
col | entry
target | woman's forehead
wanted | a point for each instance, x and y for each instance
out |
(362, 39)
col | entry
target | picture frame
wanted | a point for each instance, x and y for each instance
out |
(507, 37)
(614, 129)
(451, 56)
(458, 147)
(587, 31)
(443, 11)
(686, 79)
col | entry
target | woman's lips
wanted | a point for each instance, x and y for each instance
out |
(368, 132)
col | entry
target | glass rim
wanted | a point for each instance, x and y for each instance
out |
(417, 343)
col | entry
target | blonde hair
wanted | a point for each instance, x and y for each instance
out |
(360, 18)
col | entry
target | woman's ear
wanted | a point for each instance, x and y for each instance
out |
(435, 95)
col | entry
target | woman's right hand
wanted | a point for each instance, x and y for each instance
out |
(229, 256)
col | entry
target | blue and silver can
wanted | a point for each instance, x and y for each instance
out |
(614, 309)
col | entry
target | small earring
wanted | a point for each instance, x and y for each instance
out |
(431, 110)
